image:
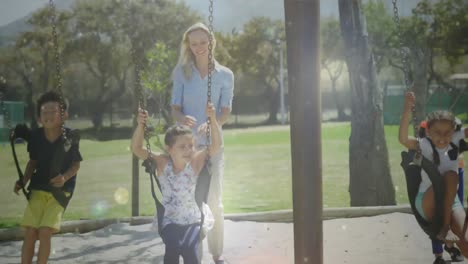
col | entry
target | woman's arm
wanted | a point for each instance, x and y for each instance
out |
(227, 94)
(406, 140)
(223, 117)
(181, 118)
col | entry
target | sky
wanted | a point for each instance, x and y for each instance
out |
(225, 19)
(10, 10)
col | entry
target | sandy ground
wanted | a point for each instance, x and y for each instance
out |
(384, 239)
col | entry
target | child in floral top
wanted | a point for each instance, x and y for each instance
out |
(177, 172)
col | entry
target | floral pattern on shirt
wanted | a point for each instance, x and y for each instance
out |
(178, 190)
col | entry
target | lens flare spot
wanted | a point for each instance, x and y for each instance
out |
(121, 195)
(99, 209)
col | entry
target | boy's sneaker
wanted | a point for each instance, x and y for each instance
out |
(454, 253)
(439, 260)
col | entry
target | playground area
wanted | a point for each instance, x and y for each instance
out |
(388, 238)
(304, 166)
(383, 239)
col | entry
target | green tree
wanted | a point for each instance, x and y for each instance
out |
(332, 58)
(107, 35)
(31, 60)
(433, 37)
(157, 78)
(445, 23)
(381, 29)
(255, 54)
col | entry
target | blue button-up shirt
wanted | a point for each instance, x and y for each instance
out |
(191, 95)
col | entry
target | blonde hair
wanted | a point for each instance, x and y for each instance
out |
(186, 57)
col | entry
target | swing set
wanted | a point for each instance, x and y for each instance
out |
(204, 178)
(68, 137)
(413, 162)
(21, 131)
(307, 217)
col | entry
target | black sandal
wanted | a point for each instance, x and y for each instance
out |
(454, 253)
(439, 260)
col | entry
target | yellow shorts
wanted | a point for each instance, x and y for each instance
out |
(43, 211)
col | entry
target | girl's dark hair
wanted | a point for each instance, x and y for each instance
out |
(174, 131)
(47, 97)
(422, 132)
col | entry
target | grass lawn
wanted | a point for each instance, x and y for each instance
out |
(257, 174)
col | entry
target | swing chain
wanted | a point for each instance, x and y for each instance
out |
(403, 52)
(141, 100)
(58, 73)
(405, 64)
(210, 70)
(138, 89)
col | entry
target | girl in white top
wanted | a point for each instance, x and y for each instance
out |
(441, 147)
(177, 172)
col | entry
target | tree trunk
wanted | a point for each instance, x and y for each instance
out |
(370, 180)
(273, 106)
(97, 117)
(339, 105)
(334, 76)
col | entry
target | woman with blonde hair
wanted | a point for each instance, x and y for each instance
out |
(188, 103)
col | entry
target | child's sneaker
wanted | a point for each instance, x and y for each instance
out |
(454, 253)
(439, 260)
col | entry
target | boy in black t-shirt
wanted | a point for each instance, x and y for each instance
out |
(52, 169)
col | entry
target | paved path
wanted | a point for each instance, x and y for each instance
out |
(384, 239)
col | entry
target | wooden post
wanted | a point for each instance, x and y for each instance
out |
(302, 34)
